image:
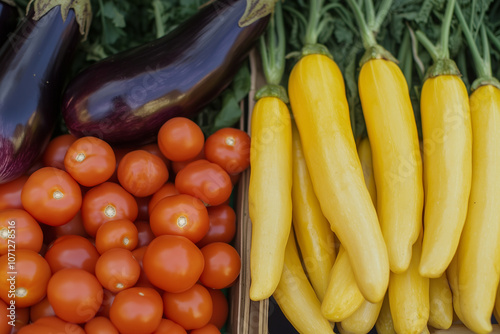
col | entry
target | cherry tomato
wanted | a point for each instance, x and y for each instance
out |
(207, 329)
(180, 139)
(100, 325)
(10, 193)
(105, 202)
(222, 265)
(51, 196)
(75, 295)
(72, 251)
(117, 269)
(220, 307)
(41, 309)
(119, 154)
(169, 327)
(54, 154)
(191, 309)
(222, 228)
(230, 149)
(168, 189)
(90, 161)
(18, 226)
(178, 165)
(120, 233)
(142, 205)
(155, 149)
(107, 301)
(173, 263)
(136, 311)
(206, 181)
(51, 325)
(23, 276)
(142, 173)
(144, 233)
(180, 215)
(73, 227)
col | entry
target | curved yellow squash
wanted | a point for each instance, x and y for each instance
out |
(440, 303)
(314, 236)
(384, 324)
(479, 248)
(396, 157)
(365, 157)
(319, 105)
(447, 143)
(269, 194)
(363, 319)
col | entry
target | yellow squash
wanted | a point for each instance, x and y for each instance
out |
(479, 248)
(365, 157)
(362, 320)
(440, 303)
(384, 324)
(447, 143)
(319, 105)
(314, 236)
(296, 297)
(270, 193)
(396, 157)
(452, 275)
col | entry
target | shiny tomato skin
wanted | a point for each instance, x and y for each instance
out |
(143, 279)
(144, 233)
(41, 309)
(117, 269)
(10, 193)
(220, 308)
(169, 327)
(54, 154)
(222, 265)
(72, 251)
(142, 173)
(75, 295)
(206, 181)
(222, 228)
(173, 263)
(31, 273)
(90, 161)
(180, 139)
(230, 149)
(51, 196)
(100, 325)
(155, 149)
(137, 310)
(191, 309)
(51, 325)
(207, 329)
(106, 202)
(19, 226)
(120, 233)
(168, 189)
(183, 215)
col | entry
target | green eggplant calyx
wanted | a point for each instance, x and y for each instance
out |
(9, 2)
(443, 66)
(255, 10)
(377, 52)
(272, 91)
(312, 49)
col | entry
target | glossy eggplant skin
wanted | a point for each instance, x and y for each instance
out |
(32, 69)
(127, 97)
(8, 20)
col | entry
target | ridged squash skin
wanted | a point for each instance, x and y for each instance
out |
(479, 248)
(269, 193)
(447, 146)
(296, 297)
(319, 105)
(314, 236)
(396, 157)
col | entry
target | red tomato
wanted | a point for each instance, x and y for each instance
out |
(72, 251)
(21, 229)
(24, 277)
(144, 233)
(90, 161)
(137, 311)
(143, 279)
(230, 149)
(41, 309)
(206, 181)
(107, 201)
(208, 329)
(107, 301)
(222, 228)
(180, 139)
(120, 233)
(100, 325)
(173, 263)
(169, 327)
(51, 325)
(180, 215)
(75, 295)
(220, 307)
(191, 309)
(142, 173)
(142, 205)
(10, 193)
(222, 265)
(155, 149)
(119, 154)
(117, 269)
(54, 154)
(51, 196)
(178, 165)
(168, 189)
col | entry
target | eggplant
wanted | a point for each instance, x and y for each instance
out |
(33, 65)
(127, 97)
(8, 19)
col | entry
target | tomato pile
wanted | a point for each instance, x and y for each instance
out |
(128, 240)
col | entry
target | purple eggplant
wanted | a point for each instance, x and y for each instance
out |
(127, 97)
(33, 65)
(8, 19)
